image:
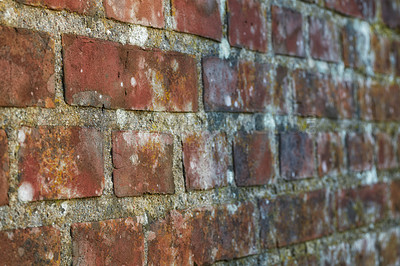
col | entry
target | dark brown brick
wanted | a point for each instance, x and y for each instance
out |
(386, 155)
(206, 158)
(389, 247)
(86, 7)
(360, 151)
(111, 242)
(395, 198)
(363, 251)
(31, 246)
(4, 168)
(357, 8)
(324, 40)
(107, 74)
(329, 153)
(391, 13)
(27, 68)
(380, 46)
(60, 163)
(142, 163)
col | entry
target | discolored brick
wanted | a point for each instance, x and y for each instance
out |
(363, 251)
(281, 93)
(143, 12)
(31, 246)
(329, 153)
(360, 151)
(357, 8)
(336, 255)
(85, 7)
(391, 13)
(396, 53)
(346, 102)
(389, 247)
(386, 155)
(206, 159)
(247, 25)
(395, 198)
(111, 242)
(365, 98)
(380, 46)
(287, 31)
(198, 17)
(105, 74)
(4, 168)
(142, 163)
(253, 159)
(27, 68)
(60, 163)
(324, 40)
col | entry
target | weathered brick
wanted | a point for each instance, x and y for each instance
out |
(107, 74)
(4, 168)
(380, 46)
(389, 247)
(336, 255)
(235, 87)
(360, 206)
(357, 8)
(386, 155)
(365, 101)
(296, 155)
(291, 219)
(395, 198)
(287, 31)
(363, 251)
(380, 105)
(31, 246)
(329, 153)
(346, 103)
(253, 159)
(143, 12)
(86, 7)
(355, 46)
(111, 242)
(360, 151)
(281, 91)
(324, 40)
(142, 163)
(60, 163)
(391, 13)
(27, 68)
(247, 25)
(396, 52)
(198, 17)
(206, 159)
(305, 260)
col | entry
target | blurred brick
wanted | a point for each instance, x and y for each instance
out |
(206, 159)
(106, 74)
(365, 101)
(31, 246)
(198, 17)
(4, 168)
(396, 53)
(389, 247)
(247, 24)
(329, 153)
(346, 102)
(85, 7)
(306, 260)
(142, 163)
(111, 242)
(253, 159)
(360, 151)
(27, 68)
(386, 155)
(363, 251)
(60, 163)
(324, 40)
(143, 12)
(357, 8)
(281, 90)
(395, 198)
(380, 46)
(336, 255)
(391, 13)
(287, 31)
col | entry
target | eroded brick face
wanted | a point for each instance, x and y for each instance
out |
(4, 168)
(356, 8)
(142, 163)
(143, 12)
(27, 68)
(329, 153)
(60, 163)
(32, 246)
(111, 242)
(386, 155)
(391, 13)
(106, 74)
(360, 151)
(86, 7)
(198, 17)
(324, 40)
(281, 90)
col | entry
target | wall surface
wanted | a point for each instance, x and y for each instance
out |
(199, 132)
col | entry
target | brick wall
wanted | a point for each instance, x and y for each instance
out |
(198, 132)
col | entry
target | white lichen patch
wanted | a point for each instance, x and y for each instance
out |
(26, 192)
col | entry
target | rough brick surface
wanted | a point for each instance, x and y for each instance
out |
(363, 251)
(395, 198)
(198, 17)
(389, 247)
(329, 153)
(380, 46)
(292, 219)
(281, 90)
(27, 68)
(142, 163)
(386, 155)
(106, 74)
(287, 31)
(60, 163)
(296, 155)
(360, 151)
(144, 12)
(336, 255)
(86, 7)
(32, 246)
(346, 102)
(324, 40)
(206, 158)
(391, 13)
(253, 159)
(247, 25)
(4, 168)
(364, 97)
(362, 205)
(356, 8)
(396, 53)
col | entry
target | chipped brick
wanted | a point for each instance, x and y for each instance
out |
(324, 40)
(360, 151)
(4, 168)
(329, 153)
(85, 7)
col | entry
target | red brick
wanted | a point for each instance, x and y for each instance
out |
(391, 13)
(247, 25)
(329, 153)
(360, 151)
(27, 68)
(363, 251)
(60, 163)
(86, 7)
(198, 17)
(142, 163)
(380, 46)
(206, 159)
(396, 52)
(324, 40)
(287, 31)
(31, 246)
(143, 12)
(386, 154)
(281, 90)
(365, 101)
(356, 8)
(395, 198)
(253, 159)
(291, 219)
(106, 74)
(4, 168)
(111, 242)
(346, 102)
(389, 247)
(296, 155)
(360, 206)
